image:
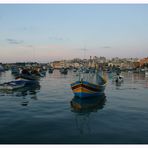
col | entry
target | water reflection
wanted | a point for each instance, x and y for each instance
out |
(83, 109)
(26, 93)
(86, 105)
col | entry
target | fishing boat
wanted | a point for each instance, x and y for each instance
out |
(50, 70)
(63, 70)
(12, 85)
(118, 78)
(27, 82)
(15, 70)
(29, 78)
(30, 75)
(90, 86)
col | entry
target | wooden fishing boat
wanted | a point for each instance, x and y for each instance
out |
(83, 88)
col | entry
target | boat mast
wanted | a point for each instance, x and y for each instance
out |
(96, 72)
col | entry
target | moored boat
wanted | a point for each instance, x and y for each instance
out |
(50, 70)
(118, 78)
(15, 70)
(26, 81)
(29, 75)
(12, 85)
(83, 88)
(63, 70)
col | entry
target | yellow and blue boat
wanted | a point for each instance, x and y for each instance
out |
(84, 88)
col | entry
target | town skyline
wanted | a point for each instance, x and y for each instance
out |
(43, 33)
(102, 59)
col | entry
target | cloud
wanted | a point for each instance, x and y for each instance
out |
(14, 41)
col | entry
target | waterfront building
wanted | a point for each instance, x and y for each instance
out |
(143, 61)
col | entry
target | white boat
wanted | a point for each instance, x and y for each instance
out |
(12, 85)
(146, 73)
(118, 79)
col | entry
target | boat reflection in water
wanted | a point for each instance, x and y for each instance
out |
(83, 107)
(26, 93)
(88, 104)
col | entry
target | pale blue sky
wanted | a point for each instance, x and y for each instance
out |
(45, 32)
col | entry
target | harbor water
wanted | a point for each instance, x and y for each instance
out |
(45, 114)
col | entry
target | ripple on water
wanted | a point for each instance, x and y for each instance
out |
(45, 114)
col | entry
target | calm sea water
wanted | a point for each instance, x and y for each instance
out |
(44, 114)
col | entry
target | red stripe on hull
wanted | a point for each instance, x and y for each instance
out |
(85, 86)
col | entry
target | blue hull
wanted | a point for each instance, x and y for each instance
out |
(85, 89)
(27, 82)
(85, 95)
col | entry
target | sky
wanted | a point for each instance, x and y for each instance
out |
(47, 32)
